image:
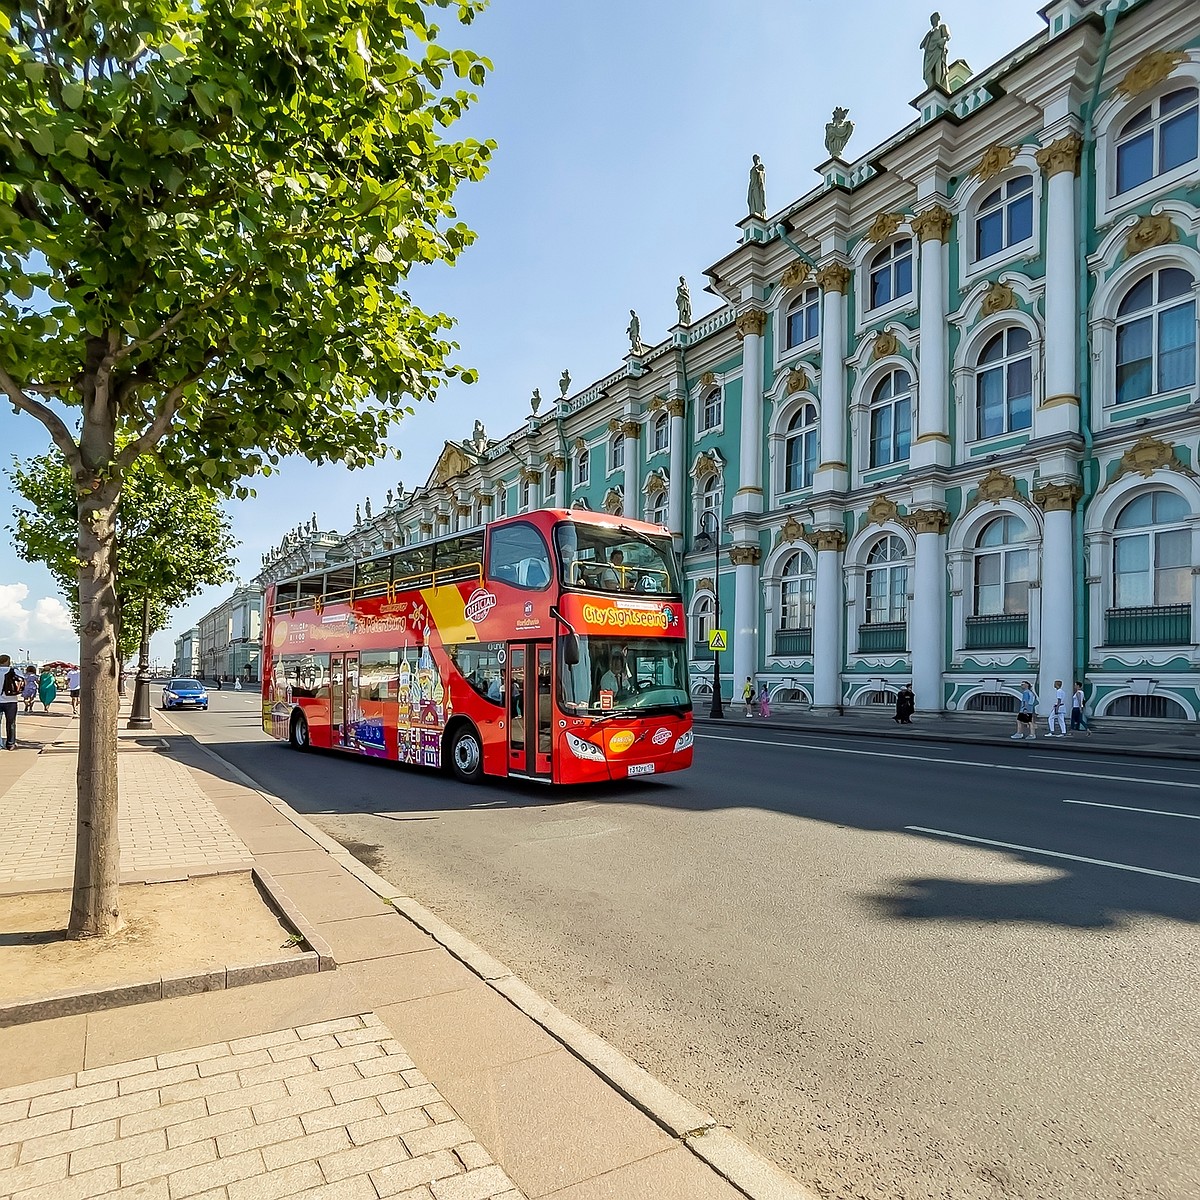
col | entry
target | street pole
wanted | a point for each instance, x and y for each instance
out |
(716, 712)
(139, 714)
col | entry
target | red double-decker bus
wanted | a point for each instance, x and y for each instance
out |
(547, 646)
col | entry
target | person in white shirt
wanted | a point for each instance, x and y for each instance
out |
(1058, 713)
(73, 688)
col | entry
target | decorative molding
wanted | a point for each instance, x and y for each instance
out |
(884, 225)
(655, 484)
(614, 425)
(483, 499)
(614, 501)
(705, 584)
(885, 344)
(751, 323)
(631, 429)
(1149, 70)
(531, 475)
(827, 539)
(933, 225)
(1150, 232)
(996, 158)
(994, 487)
(834, 277)
(797, 381)
(881, 510)
(998, 298)
(425, 526)
(556, 462)
(791, 532)
(1147, 455)
(745, 556)
(657, 403)
(676, 407)
(1062, 155)
(580, 444)
(463, 510)
(928, 520)
(933, 437)
(708, 379)
(796, 274)
(1057, 497)
(705, 468)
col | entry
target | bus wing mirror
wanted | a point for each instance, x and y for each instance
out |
(571, 650)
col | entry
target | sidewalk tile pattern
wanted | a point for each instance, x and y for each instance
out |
(167, 825)
(288, 1113)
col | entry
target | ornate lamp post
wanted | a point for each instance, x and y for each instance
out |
(139, 713)
(716, 712)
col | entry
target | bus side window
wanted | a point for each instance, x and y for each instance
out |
(518, 555)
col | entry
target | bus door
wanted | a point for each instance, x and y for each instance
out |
(530, 708)
(343, 699)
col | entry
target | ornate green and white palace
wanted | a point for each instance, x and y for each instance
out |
(947, 414)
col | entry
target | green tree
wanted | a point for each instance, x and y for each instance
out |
(208, 212)
(170, 540)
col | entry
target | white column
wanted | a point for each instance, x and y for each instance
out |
(828, 619)
(833, 279)
(675, 514)
(745, 615)
(749, 497)
(1058, 411)
(1056, 652)
(932, 443)
(560, 482)
(927, 614)
(632, 431)
(535, 489)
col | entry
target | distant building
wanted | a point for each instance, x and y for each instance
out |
(947, 413)
(187, 660)
(228, 640)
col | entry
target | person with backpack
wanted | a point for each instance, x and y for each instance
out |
(10, 691)
(748, 698)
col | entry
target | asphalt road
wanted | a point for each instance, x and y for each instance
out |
(899, 971)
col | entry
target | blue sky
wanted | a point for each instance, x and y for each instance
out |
(625, 132)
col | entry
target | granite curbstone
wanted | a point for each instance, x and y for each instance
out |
(290, 913)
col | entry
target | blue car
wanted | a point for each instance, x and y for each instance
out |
(184, 693)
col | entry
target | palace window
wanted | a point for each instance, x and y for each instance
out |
(526, 495)
(891, 419)
(1152, 552)
(502, 501)
(656, 507)
(803, 318)
(712, 496)
(1156, 336)
(583, 469)
(702, 620)
(617, 453)
(800, 449)
(891, 273)
(711, 410)
(660, 433)
(1001, 570)
(1004, 384)
(551, 484)
(1005, 217)
(1158, 139)
(797, 593)
(887, 582)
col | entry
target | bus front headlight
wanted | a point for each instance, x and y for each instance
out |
(683, 741)
(584, 749)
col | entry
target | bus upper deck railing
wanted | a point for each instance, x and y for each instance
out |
(384, 588)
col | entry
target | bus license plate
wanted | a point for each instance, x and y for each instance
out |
(641, 769)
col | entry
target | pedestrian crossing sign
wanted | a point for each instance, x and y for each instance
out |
(716, 639)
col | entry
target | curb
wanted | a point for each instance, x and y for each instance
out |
(1083, 746)
(749, 1172)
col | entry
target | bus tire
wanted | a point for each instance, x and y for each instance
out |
(298, 737)
(464, 752)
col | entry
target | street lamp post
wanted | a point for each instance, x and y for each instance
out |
(139, 713)
(716, 712)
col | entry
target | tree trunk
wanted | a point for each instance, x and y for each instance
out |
(95, 910)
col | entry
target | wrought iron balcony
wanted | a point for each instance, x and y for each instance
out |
(1151, 625)
(885, 636)
(1001, 631)
(793, 641)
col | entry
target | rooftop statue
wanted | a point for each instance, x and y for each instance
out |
(756, 193)
(479, 437)
(683, 302)
(634, 330)
(934, 44)
(535, 401)
(837, 132)
(358, 514)
(390, 494)
(368, 508)
(564, 383)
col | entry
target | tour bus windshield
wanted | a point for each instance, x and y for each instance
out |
(637, 676)
(616, 559)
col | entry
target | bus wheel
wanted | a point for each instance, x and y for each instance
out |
(466, 754)
(298, 734)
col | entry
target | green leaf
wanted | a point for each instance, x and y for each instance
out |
(72, 94)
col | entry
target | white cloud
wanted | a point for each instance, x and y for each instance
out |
(42, 628)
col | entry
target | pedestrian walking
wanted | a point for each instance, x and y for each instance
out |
(764, 702)
(906, 703)
(10, 692)
(1025, 713)
(73, 688)
(1058, 713)
(748, 698)
(30, 689)
(47, 689)
(1078, 710)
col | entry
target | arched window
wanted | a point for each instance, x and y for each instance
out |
(712, 497)
(891, 419)
(526, 495)
(502, 501)
(617, 453)
(1162, 708)
(887, 582)
(1156, 336)
(551, 484)
(803, 318)
(661, 433)
(710, 410)
(1152, 552)
(891, 273)
(583, 469)
(1159, 138)
(1004, 384)
(656, 507)
(1001, 570)
(797, 592)
(1004, 217)
(702, 619)
(800, 449)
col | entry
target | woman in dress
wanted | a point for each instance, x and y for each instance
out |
(47, 689)
(29, 691)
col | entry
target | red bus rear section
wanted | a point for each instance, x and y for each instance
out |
(548, 646)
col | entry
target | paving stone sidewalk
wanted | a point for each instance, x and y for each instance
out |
(332, 1109)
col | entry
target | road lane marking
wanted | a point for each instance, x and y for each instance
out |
(956, 762)
(1095, 862)
(1157, 812)
(1116, 762)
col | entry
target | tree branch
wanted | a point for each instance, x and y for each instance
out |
(59, 432)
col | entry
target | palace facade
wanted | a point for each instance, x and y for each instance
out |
(947, 414)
